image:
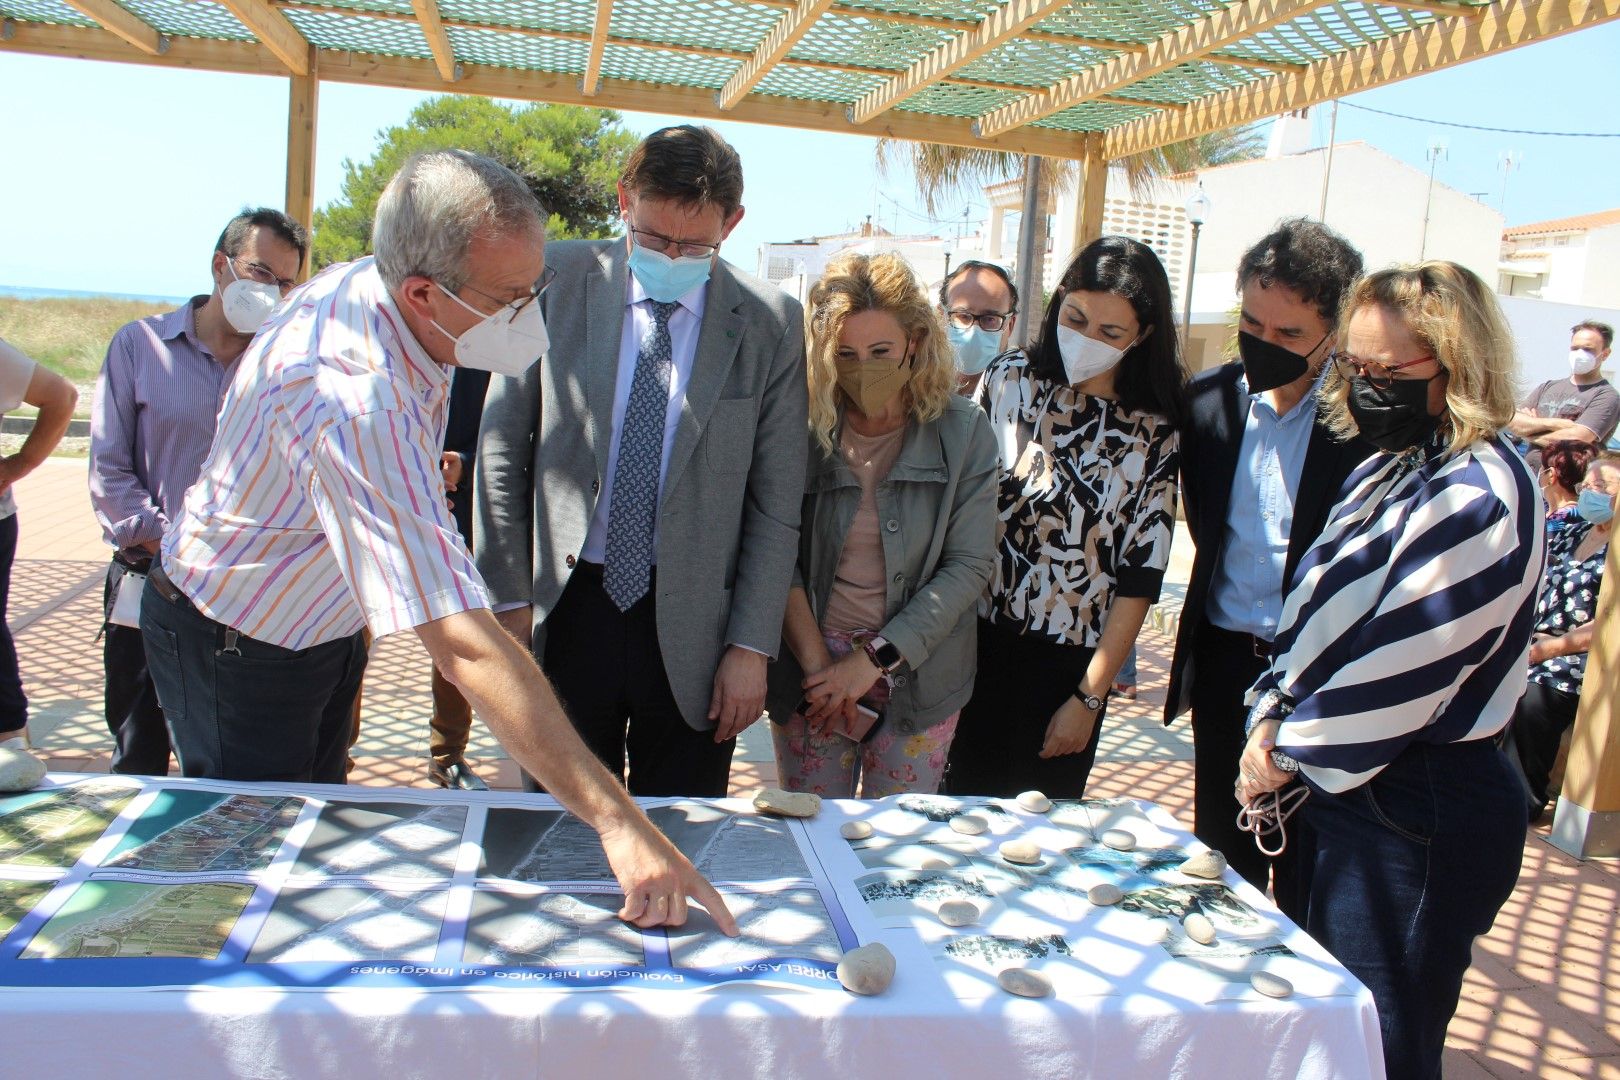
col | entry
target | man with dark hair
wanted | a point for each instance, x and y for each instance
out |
(1584, 407)
(1259, 474)
(980, 304)
(638, 492)
(151, 424)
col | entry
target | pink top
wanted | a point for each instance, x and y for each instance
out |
(859, 597)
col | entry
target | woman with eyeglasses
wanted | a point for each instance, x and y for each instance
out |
(1565, 615)
(1084, 421)
(1401, 651)
(1563, 464)
(894, 543)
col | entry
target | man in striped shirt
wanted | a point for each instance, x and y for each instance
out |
(320, 511)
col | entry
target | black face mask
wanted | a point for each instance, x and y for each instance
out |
(1267, 366)
(1396, 418)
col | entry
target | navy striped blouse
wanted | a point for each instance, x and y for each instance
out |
(1410, 617)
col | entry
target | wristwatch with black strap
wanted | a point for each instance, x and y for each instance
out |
(1090, 701)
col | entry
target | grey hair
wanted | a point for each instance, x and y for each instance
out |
(436, 205)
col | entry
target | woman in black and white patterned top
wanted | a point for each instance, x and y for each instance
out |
(1564, 614)
(1085, 429)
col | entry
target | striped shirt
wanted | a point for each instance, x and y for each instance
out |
(321, 508)
(1410, 616)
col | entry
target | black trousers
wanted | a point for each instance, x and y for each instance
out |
(140, 739)
(608, 669)
(13, 702)
(1531, 740)
(1224, 668)
(1021, 681)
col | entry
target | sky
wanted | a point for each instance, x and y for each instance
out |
(118, 177)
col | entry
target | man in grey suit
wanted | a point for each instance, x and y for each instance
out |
(638, 490)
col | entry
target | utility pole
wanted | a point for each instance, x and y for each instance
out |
(1327, 170)
(1437, 150)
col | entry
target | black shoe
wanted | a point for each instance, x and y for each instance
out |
(455, 775)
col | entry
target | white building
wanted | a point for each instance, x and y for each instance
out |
(794, 265)
(1574, 260)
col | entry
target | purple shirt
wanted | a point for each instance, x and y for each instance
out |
(151, 424)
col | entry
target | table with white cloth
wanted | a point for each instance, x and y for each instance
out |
(177, 927)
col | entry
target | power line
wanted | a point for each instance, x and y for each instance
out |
(921, 216)
(1482, 127)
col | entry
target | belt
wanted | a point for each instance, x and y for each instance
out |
(1261, 647)
(164, 586)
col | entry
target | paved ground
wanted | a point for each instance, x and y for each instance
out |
(1543, 998)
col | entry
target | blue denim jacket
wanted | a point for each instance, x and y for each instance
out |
(937, 514)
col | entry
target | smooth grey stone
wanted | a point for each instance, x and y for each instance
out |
(20, 770)
(1023, 852)
(798, 804)
(936, 863)
(1209, 864)
(1199, 928)
(1119, 839)
(1025, 983)
(855, 830)
(958, 912)
(968, 825)
(1105, 894)
(1035, 802)
(867, 970)
(1271, 984)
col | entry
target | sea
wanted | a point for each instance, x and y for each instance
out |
(22, 292)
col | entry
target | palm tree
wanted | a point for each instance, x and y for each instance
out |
(944, 172)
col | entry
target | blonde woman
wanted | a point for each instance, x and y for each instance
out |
(1401, 651)
(895, 543)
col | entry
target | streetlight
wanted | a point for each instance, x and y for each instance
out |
(1197, 213)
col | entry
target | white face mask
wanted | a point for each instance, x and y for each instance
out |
(247, 303)
(1084, 357)
(1582, 361)
(502, 343)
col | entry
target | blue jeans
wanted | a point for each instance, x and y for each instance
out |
(259, 712)
(1410, 868)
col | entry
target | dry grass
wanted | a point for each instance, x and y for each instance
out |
(69, 336)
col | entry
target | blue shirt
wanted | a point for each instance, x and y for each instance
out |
(1247, 590)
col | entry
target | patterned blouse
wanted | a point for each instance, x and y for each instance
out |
(1085, 504)
(1568, 599)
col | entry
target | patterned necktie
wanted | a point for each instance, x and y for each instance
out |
(629, 558)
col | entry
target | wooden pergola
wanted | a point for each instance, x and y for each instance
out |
(1092, 80)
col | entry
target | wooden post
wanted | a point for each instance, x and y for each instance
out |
(1587, 822)
(1093, 191)
(303, 93)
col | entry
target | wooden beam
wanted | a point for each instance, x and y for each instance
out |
(1199, 38)
(119, 21)
(1507, 24)
(777, 44)
(935, 22)
(1443, 8)
(272, 28)
(599, 38)
(522, 85)
(1276, 67)
(1093, 191)
(302, 100)
(438, 42)
(1007, 22)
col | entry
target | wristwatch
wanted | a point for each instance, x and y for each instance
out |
(1090, 701)
(882, 652)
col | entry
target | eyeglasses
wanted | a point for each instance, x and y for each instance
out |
(265, 276)
(1379, 375)
(992, 321)
(659, 242)
(541, 284)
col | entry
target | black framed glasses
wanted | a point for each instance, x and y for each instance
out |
(264, 275)
(991, 321)
(1379, 375)
(687, 249)
(541, 284)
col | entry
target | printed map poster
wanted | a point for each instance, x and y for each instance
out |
(115, 882)
(926, 851)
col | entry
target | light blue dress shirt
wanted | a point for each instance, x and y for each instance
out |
(1246, 593)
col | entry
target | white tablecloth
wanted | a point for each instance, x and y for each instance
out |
(1125, 1008)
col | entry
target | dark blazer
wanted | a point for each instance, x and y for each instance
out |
(461, 435)
(1210, 441)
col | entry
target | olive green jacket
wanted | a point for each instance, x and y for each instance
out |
(936, 516)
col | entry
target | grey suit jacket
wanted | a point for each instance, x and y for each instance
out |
(728, 523)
